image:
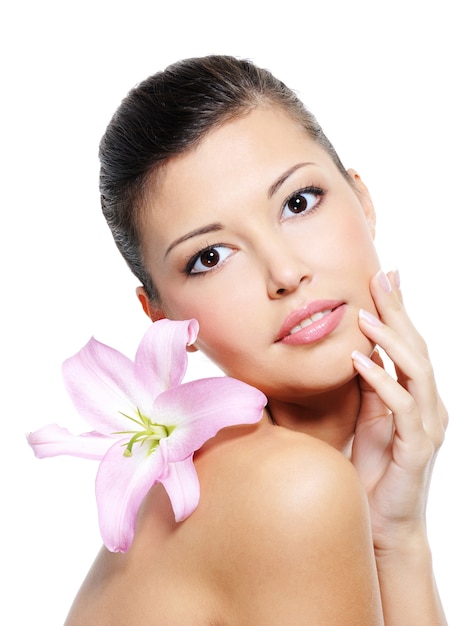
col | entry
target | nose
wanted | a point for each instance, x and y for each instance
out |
(285, 269)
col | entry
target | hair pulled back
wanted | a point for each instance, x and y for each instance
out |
(168, 114)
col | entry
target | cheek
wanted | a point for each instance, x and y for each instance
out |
(225, 336)
(351, 256)
(217, 314)
(217, 300)
(357, 246)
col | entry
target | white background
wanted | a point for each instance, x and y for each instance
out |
(386, 80)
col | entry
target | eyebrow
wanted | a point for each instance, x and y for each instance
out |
(216, 226)
(283, 177)
(209, 228)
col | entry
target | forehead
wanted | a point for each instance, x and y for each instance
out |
(235, 163)
(265, 139)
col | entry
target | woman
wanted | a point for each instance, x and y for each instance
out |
(231, 206)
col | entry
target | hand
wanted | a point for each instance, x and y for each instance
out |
(401, 423)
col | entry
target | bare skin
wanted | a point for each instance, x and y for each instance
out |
(276, 506)
(321, 518)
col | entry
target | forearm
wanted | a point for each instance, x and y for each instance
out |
(408, 588)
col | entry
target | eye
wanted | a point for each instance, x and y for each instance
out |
(207, 259)
(302, 201)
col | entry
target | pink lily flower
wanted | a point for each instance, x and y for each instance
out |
(146, 423)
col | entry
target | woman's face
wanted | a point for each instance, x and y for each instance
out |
(256, 233)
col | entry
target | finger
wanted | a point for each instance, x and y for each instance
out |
(376, 358)
(414, 371)
(408, 423)
(371, 405)
(388, 301)
(394, 279)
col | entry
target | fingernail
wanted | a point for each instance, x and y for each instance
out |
(362, 359)
(369, 317)
(384, 281)
(397, 278)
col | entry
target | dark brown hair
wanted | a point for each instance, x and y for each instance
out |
(167, 115)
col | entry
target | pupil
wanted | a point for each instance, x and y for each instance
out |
(210, 258)
(297, 204)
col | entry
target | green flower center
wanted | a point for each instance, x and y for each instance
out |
(147, 432)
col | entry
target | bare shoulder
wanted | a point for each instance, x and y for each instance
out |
(277, 469)
(296, 544)
(281, 535)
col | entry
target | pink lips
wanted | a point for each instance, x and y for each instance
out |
(312, 330)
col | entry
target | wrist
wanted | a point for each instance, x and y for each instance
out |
(409, 543)
(407, 583)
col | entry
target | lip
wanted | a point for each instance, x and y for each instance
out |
(316, 330)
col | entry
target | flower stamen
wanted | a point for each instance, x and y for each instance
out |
(151, 432)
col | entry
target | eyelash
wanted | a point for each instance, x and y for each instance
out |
(316, 191)
(188, 269)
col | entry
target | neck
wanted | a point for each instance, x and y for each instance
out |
(329, 416)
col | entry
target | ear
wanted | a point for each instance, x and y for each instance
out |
(153, 312)
(365, 199)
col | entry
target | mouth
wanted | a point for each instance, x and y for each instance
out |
(312, 322)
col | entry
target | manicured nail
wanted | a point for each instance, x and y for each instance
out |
(397, 278)
(384, 281)
(369, 317)
(362, 359)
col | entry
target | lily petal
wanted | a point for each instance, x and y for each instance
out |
(121, 485)
(161, 359)
(200, 408)
(107, 389)
(102, 385)
(182, 486)
(53, 440)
